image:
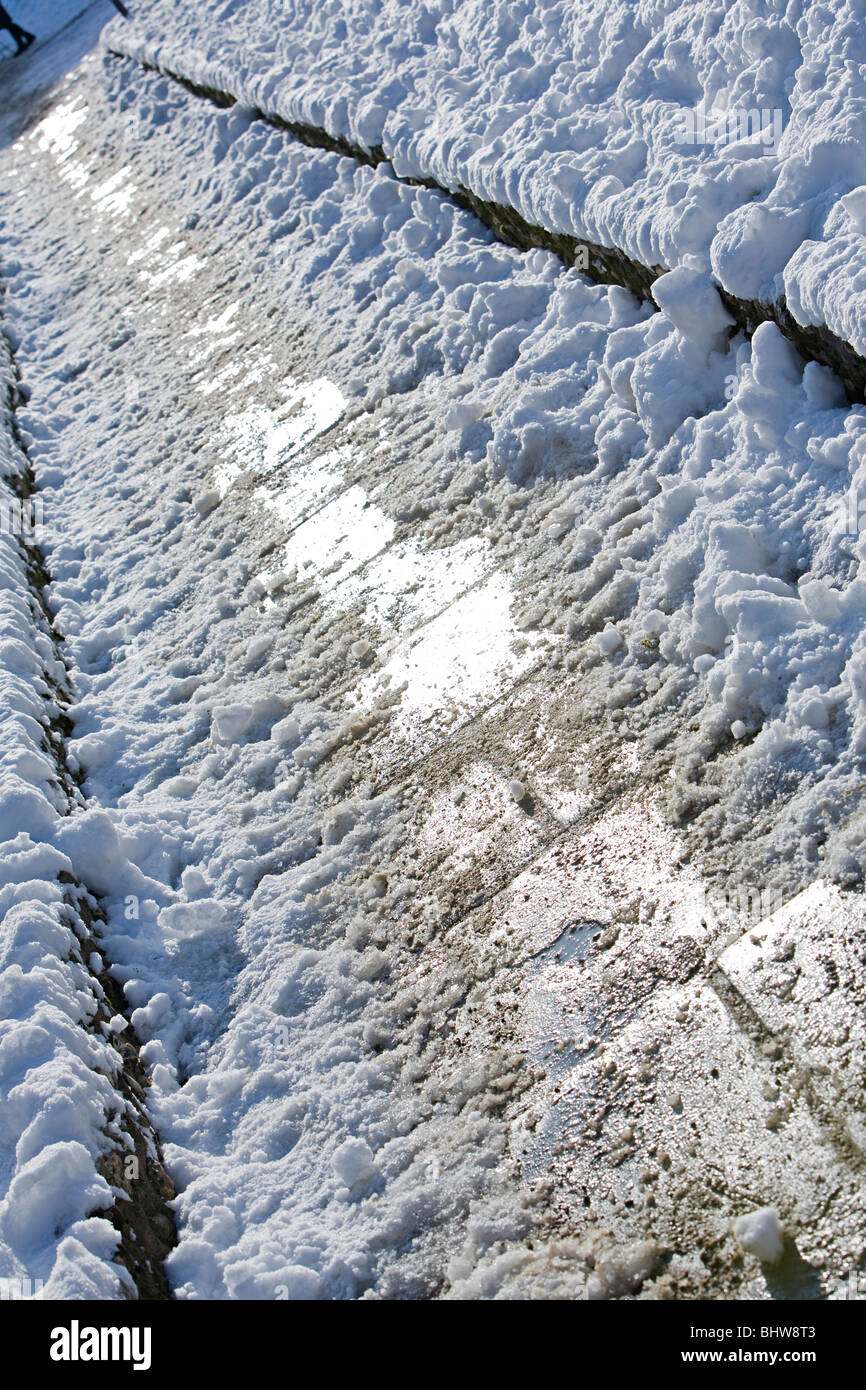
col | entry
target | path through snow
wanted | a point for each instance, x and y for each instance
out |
(389, 793)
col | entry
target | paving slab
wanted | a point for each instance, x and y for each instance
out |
(803, 971)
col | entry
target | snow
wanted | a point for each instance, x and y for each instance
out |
(760, 1233)
(608, 640)
(353, 1162)
(723, 139)
(271, 1106)
(326, 477)
(56, 1096)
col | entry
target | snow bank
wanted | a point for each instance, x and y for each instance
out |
(727, 139)
(59, 1111)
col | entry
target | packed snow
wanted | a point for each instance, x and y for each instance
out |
(760, 1233)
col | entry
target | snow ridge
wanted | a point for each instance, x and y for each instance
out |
(79, 1162)
(726, 142)
(604, 265)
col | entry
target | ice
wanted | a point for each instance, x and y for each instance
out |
(56, 131)
(454, 663)
(261, 438)
(334, 542)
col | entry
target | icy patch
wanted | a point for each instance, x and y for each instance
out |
(260, 438)
(55, 133)
(179, 270)
(216, 331)
(460, 660)
(115, 195)
(305, 485)
(407, 584)
(335, 541)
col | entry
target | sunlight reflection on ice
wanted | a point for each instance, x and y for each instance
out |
(55, 133)
(216, 335)
(260, 438)
(443, 614)
(112, 196)
(459, 658)
(339, 538)
(407, 585)
(306, 484)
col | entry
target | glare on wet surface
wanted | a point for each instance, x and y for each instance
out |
(339, 538)
(459, 661)
(115, 195)
(439, 618)
(407, 584)
(259, 438)
(55, 133)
